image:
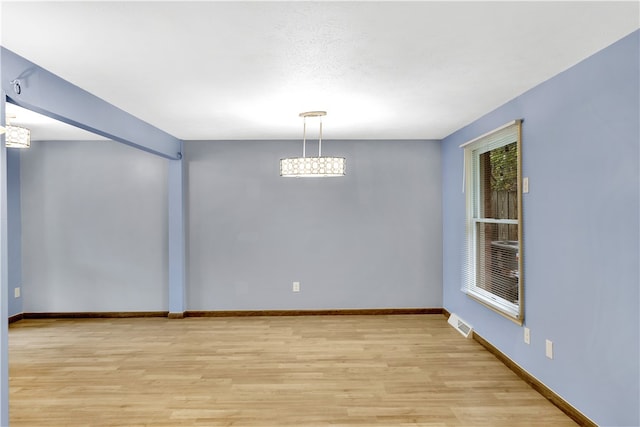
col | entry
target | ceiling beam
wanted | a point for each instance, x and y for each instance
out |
(31, 86)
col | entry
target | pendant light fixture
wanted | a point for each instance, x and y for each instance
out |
(308, 167)
(16, 136)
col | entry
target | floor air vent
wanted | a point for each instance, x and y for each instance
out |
(460, 325)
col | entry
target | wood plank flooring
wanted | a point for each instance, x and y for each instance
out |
(403, 370)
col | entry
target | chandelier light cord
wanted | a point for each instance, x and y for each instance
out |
(320, 139)
(317, 114)
(304, 136)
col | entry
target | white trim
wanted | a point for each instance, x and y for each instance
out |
(506, 125)
(504, 135)
(507, 307)
(464, 171)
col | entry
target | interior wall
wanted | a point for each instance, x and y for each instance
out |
(94, 232)
(14, 237)
(581, 233)
(371, 239)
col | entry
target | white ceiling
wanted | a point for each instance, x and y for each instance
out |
(244, 70)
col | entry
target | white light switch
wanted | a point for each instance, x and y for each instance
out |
(16, 292)
(549, 349)
(525, 184)
(527, 336)
(296, 286)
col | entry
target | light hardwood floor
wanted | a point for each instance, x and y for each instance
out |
(402, 370)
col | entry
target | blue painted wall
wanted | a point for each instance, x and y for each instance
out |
(97, 234)
(370, 239)
(14, 230)
(581, 233)
(95, 228)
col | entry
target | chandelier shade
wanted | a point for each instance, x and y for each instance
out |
(310, 167)
(17, 137)
(306, 167)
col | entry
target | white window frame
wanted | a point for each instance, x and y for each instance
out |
(504, 135)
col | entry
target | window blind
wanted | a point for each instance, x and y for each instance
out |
(492, 271)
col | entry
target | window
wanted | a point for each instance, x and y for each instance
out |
(493, 273)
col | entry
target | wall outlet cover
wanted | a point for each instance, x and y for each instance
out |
(549, 349)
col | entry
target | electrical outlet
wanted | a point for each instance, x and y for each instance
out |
(16, 292)
(549, 349)
(527, 335)
(296, 287)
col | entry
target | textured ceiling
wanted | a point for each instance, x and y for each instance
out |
(244, 70)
